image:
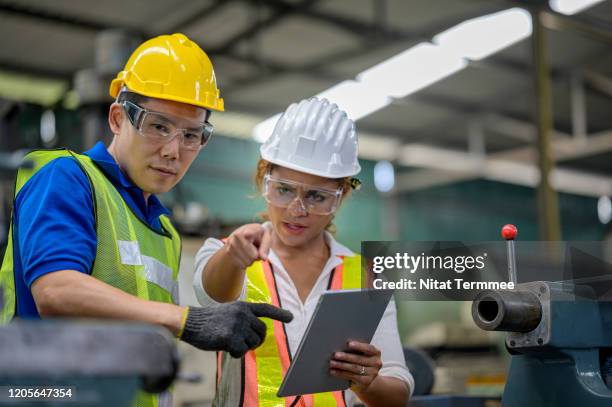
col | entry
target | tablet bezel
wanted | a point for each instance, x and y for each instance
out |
(309, 373)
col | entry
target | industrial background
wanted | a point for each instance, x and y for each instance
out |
(519, 132)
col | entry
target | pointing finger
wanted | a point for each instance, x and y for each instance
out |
(266, 242)
(270, 311)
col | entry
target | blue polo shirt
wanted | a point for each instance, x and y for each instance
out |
(54, 223)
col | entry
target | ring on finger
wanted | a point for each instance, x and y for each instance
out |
(362, 371)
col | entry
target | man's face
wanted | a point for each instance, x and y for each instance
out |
(152, 165)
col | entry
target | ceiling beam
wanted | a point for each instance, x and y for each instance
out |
(589, 26)
(52, 17)
(441, 166)
(314, 68)
(14, 9)
(353, 26)
(564, 180)
(205, 12)
(470, 108)
(279, 68)
(498, 108)
(262, 24)
(598, 82)
(370, 43)
(47, 73)
(376, 29)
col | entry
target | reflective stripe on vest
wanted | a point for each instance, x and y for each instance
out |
(264, 368)
(130, 255)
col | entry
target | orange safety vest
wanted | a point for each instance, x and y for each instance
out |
(262, 370)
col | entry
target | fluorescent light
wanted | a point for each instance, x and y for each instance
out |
(604, 209)
(48, 131)
(411, 70)
(571, 6)
(356, 99)
(422, 65)
(384, 176)
(264, 129)
(480, 37)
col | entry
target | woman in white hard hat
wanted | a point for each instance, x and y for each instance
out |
(306, 170)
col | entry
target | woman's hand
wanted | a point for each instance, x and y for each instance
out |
(248, 243)
(360, 367)
(224, 273)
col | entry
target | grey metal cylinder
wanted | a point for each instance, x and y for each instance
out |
(511, 311)
(112, 50)
(91, 87)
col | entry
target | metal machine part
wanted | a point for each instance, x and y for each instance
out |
(524, 313)
(560, 337)
(106, 363)
(516, 311)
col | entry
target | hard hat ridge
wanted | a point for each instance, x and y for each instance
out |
(171, 67)
(316, 137)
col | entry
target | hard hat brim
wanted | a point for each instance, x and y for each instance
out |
(218, 104)
(311, 171)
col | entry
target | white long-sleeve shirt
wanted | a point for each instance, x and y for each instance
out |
(386, 337)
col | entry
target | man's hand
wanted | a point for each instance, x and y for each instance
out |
(249, 243)
(233, 327)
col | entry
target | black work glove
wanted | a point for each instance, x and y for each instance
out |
(233, 327)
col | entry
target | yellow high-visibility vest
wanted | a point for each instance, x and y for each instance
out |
(262, 370)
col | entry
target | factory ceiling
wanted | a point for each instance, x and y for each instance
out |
(476, 123)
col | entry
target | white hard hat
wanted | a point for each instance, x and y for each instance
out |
(316, 137)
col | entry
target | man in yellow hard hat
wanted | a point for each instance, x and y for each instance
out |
(88, 236)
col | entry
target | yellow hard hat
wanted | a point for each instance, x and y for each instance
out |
(170, 67)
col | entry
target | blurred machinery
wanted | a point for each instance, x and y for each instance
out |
(454, 363)
(89, 363)
(560, 339)
(462, 360)
(11, 159)
(9, 164)
(112, 49)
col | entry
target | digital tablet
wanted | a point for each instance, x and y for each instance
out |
(340, 316)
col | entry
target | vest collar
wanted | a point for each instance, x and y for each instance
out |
(100, 155)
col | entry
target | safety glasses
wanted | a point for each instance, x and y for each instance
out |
(283, 193)
(160, 128)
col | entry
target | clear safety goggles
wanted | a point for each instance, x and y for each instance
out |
(160, 128)
(314, 200)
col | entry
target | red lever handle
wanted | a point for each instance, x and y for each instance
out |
(509, 232)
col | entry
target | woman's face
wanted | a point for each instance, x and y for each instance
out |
(294, 225)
